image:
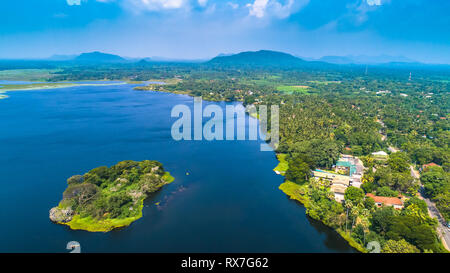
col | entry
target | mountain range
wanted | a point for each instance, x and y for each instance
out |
(99, 57)
(261, 58)
(364, 59)
(258, 58)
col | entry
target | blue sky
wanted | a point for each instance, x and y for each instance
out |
(191, 29)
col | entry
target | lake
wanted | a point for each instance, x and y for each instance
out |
(229, 202)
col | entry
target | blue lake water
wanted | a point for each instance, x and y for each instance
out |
(230, 202)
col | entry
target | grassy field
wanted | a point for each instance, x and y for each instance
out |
(94, 225)
(324, 82)
(283, 165)
(294, 190)
(271, 80)
(293, 88)
(168, 178)
(53, 85)
(27, 74)
(166, 81)
(34, 86)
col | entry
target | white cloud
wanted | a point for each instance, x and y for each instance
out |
(73, 2)
(202, 2)
(374, 2)
(233, 5)
(258, 8)
(262, 8)
(155, 5)
(283, 11)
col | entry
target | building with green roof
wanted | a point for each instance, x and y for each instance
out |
(346, 166)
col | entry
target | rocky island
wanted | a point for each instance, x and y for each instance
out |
(107, 198)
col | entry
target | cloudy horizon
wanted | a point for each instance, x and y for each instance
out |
(201, 29)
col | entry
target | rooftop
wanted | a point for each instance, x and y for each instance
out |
(382, 153)
(343, 163)
(432, 164)
(386, 200)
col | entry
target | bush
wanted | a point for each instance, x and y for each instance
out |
(401, 246)
(356, 195)
(419, 202)
(386, 191)
(298, 171)
(76, 179)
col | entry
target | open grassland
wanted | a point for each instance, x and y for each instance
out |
(324, 82)
(93, 225)
(27, 74)
(34, 86)
(283, 166)
(293, 88)
(39, 86)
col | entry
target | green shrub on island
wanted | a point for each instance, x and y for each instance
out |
(107, 198)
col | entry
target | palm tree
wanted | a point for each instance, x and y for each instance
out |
(330, 195)
(365, 222)
(354, 211)
(348, 205)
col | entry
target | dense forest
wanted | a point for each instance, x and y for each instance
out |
(106, 198)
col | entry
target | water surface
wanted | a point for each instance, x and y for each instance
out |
(230, 202)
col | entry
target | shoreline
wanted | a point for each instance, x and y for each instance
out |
(280, 169)
(90, 225)
(47, 86)
(294, 190)
(105, 225)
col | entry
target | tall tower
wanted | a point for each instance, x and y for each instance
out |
(410, 76)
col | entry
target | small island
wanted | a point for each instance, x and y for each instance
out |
(107, 198)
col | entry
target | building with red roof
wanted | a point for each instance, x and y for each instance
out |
(396, 202)
(429, 165)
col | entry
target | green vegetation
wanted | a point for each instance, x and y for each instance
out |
(320, 205)
(107, 198)
(437, 186)
(391, 177)
(282, 165)
(292, 89)
(298, 171)
(40, 86)
(28, 74)
(343, 110)
(359, 221)
(410, 224)
(402, 246)
(34, 86)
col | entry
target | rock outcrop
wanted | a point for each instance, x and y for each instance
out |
(61, 215)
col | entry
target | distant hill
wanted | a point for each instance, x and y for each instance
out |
(99, 57)
(258, 58)
(173, 60)
(57, 57)
(364, 59)
(337, 59)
